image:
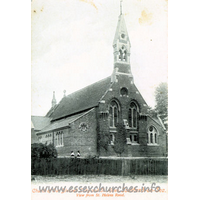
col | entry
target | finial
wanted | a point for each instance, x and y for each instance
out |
(121, 7)
(64, 92)
(53, 102)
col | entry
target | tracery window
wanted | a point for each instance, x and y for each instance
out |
(132, 115)
(114, 113)
(152, 135)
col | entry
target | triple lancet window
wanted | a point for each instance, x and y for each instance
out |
(152, 135)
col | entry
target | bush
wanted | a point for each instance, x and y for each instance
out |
(43, 151)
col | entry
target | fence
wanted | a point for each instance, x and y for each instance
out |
(81, 166)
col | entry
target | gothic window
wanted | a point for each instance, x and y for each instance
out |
(59, 136)
(155, 137)
(114, 113)
(132, 115)
(152, 135)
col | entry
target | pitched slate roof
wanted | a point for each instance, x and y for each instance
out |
(51, 110)
(39, 122)
(158, 121)
(34, 138)
(62, 122)
(81, 100)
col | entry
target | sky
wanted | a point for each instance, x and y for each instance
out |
(71, 46)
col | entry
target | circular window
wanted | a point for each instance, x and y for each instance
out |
(124, 91)
(83, 126)
(122, 35)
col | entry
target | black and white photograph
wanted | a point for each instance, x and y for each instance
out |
(99, 99)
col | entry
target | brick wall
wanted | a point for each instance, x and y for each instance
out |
(142, 149)
(77, 140)
(98, 123)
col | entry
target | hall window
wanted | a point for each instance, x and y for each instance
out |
(152, 135)
(132, 115)
(59, 136)
(114, 113)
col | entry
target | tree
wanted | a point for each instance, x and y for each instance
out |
(120, 139)
(161, 97)
(152, 112)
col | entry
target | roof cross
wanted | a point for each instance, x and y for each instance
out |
(64, 93)
(121, 7)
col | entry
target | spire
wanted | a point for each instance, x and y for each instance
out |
(121, 43)
(121, 47)
(53, 102)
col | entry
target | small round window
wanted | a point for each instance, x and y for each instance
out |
(124, 91)
(123, 35)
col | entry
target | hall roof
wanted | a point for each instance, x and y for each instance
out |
(39, 122)
(65, 122)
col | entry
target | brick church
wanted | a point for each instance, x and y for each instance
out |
(85, 118)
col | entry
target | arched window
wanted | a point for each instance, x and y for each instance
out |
(114, 113)
(123, 54)
(132, 115)
(155, 136)
(152, 135)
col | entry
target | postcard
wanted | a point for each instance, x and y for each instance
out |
(99, 124)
